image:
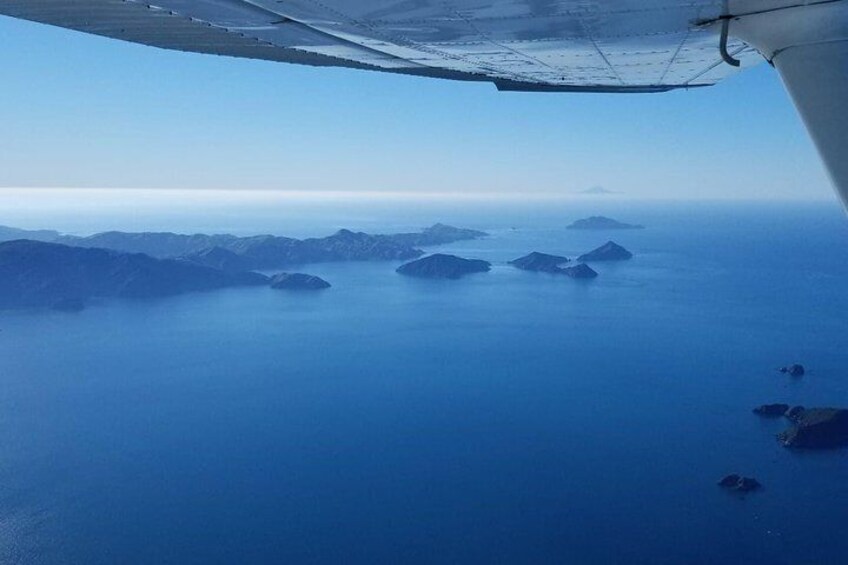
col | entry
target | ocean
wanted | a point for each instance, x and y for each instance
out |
(507, 417)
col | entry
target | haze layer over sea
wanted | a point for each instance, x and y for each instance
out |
(507, 417)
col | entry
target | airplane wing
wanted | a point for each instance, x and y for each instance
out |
(536, 45)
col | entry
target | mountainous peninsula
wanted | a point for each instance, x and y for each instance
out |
(262, 252)
(39, 274)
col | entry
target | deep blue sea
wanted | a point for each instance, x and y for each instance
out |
(507, 417)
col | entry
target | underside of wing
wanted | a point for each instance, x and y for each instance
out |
(536, 45)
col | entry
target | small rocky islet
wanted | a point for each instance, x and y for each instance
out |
(793, 370)
(809, 429)
(739, 483)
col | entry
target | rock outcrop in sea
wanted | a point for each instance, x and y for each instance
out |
(739, 483)
(443, 266)
(795, 370)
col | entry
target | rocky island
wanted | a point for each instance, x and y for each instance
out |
(610, 251)
(543, 262)
(39, 274)
(298, 281)
(816, 428)
(442, 266)
(602, 223)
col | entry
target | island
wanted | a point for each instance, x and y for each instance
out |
(816, 428)
(610, 251)
(536, 261)
(442, 266)
(602, 223)
(298, 281)
(40, 274)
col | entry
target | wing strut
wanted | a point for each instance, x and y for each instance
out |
(808, 45)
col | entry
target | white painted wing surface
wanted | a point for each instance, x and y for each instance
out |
(591, 45)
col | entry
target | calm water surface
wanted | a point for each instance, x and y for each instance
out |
(507, 417)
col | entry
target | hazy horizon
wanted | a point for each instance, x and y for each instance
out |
(314, 213)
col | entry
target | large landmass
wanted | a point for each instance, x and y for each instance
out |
(262, 252)
(37, 273)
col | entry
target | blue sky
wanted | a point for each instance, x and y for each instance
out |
(83, 111)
